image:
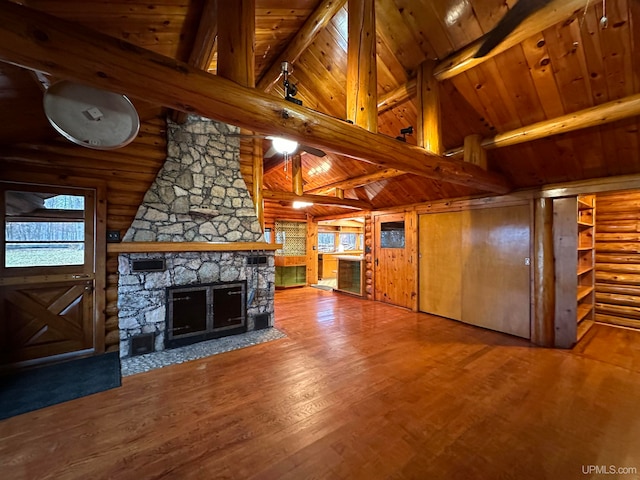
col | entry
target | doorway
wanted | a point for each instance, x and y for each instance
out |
(394, 277)
(49, 270)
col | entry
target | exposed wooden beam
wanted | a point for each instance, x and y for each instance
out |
(203, 46)
(429, 118)
(316, 22)
(35, 40)
(316, 200)
(359, 181)
(395, 97)
(590, 117)
(554, 12)
(362, 80)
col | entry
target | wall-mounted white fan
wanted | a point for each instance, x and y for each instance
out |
(91, 117)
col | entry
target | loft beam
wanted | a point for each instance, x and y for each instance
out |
(590, 117)
(316, 200)
(360, 181)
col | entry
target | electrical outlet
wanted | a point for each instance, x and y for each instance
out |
(113, 236)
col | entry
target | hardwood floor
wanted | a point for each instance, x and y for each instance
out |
(357, 390)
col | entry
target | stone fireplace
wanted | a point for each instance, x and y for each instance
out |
(198, 196)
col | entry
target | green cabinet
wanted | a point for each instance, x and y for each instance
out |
(350, 275)
(291, 276)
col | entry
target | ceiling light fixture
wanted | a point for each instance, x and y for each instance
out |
(284, 146)
(298, 204)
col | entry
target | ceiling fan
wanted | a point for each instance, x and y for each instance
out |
(279, 145)
(282, 146)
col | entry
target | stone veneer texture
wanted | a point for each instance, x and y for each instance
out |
(199, 195)
(142, 295)
(202, 171)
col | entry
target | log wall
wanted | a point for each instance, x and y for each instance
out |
(618, 259)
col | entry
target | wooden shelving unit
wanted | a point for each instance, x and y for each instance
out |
(291, 261)
(585, 296)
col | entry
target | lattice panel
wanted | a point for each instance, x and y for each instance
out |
(293, 235)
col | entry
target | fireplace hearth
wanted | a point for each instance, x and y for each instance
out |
(202, 312)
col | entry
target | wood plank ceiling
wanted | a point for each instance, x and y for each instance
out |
(565, 68)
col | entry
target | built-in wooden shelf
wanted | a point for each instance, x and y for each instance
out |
(583, 270)
(583, 311)
(153, 247)
(584, 205)
(584, 249)
(585, 224)
(583, 291)
(583, 327)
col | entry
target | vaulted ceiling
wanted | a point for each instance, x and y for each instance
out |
(566, 66)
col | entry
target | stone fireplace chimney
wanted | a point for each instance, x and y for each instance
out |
(199, 195)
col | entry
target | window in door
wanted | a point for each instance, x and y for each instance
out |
(392, 234)
(46, 227)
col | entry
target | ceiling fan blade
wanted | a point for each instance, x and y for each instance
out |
(245, 135)
(270, 153)
(312, 150)
(508, 24)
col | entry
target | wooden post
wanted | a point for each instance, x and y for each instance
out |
(296, 177)
(312, 250)
(339, 193)
(542, 327)
(362, 82)
(258, 180)
(474, 152)
(203, 45)
(429, 118)
(236, 50)
(236, 39)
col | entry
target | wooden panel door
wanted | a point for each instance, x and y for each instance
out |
(440, 264)
(48, 303)
(46, 320)
(395, 279)
(496, 278)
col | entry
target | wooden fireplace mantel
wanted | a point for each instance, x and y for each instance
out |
(152, 247)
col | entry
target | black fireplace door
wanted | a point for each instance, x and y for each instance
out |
(228, 307)
(205, 311)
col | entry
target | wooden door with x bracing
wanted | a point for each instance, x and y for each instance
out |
(47, 307)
